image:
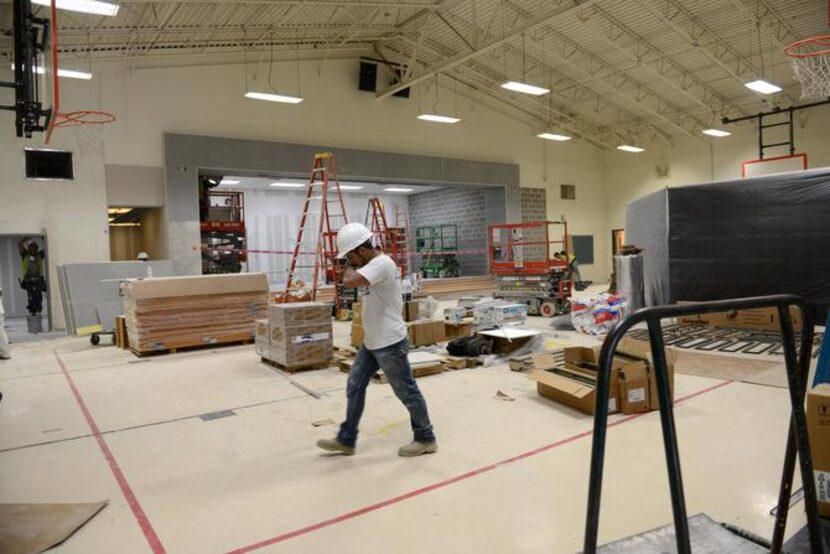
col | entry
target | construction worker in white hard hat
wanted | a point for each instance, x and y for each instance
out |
(143, 257)
(385, 343)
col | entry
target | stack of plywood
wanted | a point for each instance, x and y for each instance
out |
(299, 335)
(169, 313)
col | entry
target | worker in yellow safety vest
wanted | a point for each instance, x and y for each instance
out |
(32, 279)
(575, 276)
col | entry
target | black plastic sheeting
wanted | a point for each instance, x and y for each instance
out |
(732, 239)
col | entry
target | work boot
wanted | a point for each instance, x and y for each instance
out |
(416, 448)
(4, 356)
(331, 445)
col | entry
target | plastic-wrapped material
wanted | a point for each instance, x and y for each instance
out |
(630, 281)
(596, 315)
(732, 239)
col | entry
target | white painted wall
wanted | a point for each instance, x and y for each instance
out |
(209, 100)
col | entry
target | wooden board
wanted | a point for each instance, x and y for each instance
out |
(173, 346)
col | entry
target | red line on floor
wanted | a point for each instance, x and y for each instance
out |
(126, 490)
(450, 481)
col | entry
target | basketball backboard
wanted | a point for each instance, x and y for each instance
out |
(34, 67)
(777, 164)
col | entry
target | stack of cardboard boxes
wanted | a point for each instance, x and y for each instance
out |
(296, 335)
(633, 378)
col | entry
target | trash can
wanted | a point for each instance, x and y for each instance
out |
(35, 323)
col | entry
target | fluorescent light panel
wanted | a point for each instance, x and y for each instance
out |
(84, 6)
(716, 133)
(525, 88)
(68, 73)
(398, 189)
(763, 87)
(351, 187)
(273, 97)
(554, 136)
(287, 185)
(629, 148)
(438, 118)
(229, 182)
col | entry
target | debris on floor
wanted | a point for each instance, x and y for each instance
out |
(500, 395)
(322, 422)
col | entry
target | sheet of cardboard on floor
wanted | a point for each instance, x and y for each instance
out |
(818, 429)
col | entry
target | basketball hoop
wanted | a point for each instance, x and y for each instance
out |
(89, 127)
(811, 63)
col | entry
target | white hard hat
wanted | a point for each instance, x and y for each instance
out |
(350, 236)
(143, 256)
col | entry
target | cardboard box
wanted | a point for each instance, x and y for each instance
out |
(818, 429)
(356, 335)
(411, 310)
(761, 319)
(262, 338)
(298, 313)
(455, 315)
(425, 332)
(634, 388)
(639, 350)
(455, 330)
(575, 384)
(301, 345)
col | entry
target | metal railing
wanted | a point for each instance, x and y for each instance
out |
(798, 366)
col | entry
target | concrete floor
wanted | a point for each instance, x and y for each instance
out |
(80, 423)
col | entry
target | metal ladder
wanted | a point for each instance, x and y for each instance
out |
(798, 367)
(322, 193)
(387, 237)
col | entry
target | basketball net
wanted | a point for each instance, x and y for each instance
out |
(89, 127)
(811, 64)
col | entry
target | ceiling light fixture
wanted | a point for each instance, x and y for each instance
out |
(438, 118)
(525, 88)
(228, 182)
(629, 148)
(126, 224)
(351, 187)
(763, 87)
(281, 98)
(84, 6)
(398, 189)
(287, 185)
(716, 133)
(554, 136)
(68, 73)
(119, 211)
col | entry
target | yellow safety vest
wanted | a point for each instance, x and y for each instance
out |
(26, 259)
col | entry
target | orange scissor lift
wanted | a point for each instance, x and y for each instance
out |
(528, 269)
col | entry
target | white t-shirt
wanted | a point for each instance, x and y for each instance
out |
(382, 304)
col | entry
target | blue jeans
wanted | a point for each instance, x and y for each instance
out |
(393, 359)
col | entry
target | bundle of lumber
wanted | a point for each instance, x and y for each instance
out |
(169, 313)
(456, 284)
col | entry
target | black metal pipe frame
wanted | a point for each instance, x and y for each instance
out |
(797, 365)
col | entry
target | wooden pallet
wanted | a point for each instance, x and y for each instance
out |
(295, 369)
(177, 347)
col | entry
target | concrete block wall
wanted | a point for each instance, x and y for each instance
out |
(464, 207)
(534, 208)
